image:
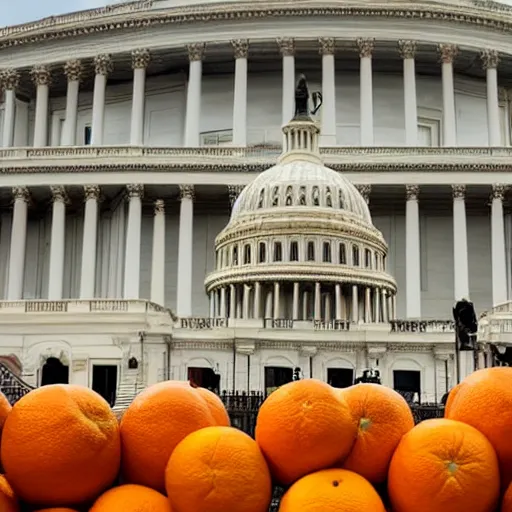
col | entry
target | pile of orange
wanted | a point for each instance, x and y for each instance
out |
(351, 450)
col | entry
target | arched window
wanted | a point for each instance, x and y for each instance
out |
(343, 254)
(247, 254)
(262, 253)
(294, 251)
(311, 251)
(367, 258)
(289, 196)
(328, 197)
(278, 251)
(340, 199)
(355, 255)
(376, 266)
(275, 196)
(261, 199)
(302, 196)
(326, 252)
(316, 196)
(235, 255)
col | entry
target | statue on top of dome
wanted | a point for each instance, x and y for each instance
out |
(302, 98)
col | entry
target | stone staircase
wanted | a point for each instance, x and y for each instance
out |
(131, 385)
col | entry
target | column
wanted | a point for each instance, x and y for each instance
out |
(42, 78)
(385, 317)
(296, 301)
(365, 47)
(133, 233)
(257, 300)
(327, 51)
(337, 300)
(158, 255)
(140, 61)
(73, 71)
(412, 253)
(277, 305)
(407, 51)
(193, 113)
(355, 304)
(57, 244)
(88, 272)
(223, 302)
(245, 304)
(318, 302)
(367, 305)
(102, 67)
(460, 243)
(287, 48)
(499, 265)
(16, 272)
(234, 191)
(9, 81)
(232, 301)
(241, 49)
(448, 53)
(377, 314)
(185, 252)
(490, 61)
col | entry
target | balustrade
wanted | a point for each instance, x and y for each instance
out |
(422, 326)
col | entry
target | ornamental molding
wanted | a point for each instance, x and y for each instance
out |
(240, 48)
(412, 192)
(134, 190)
(365, 46)
(327, 46)
(59, 194)
(41, 75)
(196, 51)
(498, 191)
(286, 46)
(187, 192)
(73, 69)
(459, 191)
(407, 49)
(9, 79)
(91, 192)
(447, 53)
(490, 59)
(140, 58)
(103, 64)
(21, 193)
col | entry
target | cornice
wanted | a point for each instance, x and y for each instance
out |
(137, 15)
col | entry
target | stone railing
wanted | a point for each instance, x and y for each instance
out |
(332, 325)
(203, 323)
(422, 326)
(505, 307)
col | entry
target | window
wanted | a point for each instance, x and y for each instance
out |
(289, 196)
(384, 263)
(294, 251)
(376, 266)
(355, 256)
(235, 255)
(367, 258)
(311, 251)
(428, 132)
(343, 254)
(262, 253)
(247, 254)
(340, 377)
(316, 196)
(278, 251)
(326, 253)
(87, 135)
(328, 197)
(217, 138)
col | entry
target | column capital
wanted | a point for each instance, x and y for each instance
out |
(91, 192)
(140, 58)
(234, 191)
(327, 45)
(365, 46)
(134, 190)
(412, 192)
(447, 52)
(490, 59)
(59, 194)
(407, 48)
(73, 70)
(365, 191)
(286, 46)
(196, 51)
(498, 191)
(9, 79)
(21, 193)
(41, 75)
(187, 192)
(103, 64)
(159, 206)
(240, 48)
(458, 191)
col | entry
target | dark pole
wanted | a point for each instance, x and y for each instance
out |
(234, 364)
(248, 373)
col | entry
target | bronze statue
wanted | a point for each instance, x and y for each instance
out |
(302, 98)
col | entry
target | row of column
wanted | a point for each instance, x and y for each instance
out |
(103, 65)
(460, 248)
(16, 268)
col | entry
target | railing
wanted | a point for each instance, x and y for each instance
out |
(203, 323)
(12, 386)
(422, 326)
(278, 323)
(332, 325)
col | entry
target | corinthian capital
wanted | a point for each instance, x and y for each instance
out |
(59, 194)
(91, 192)
(286, 46)
(135, 190)
(327, 45)
(21, 193)
(365, 46)
(9, 79)
(73, 70)
(498, 191)
(103, 64)
(140, 58)
(407, 49)
(412, 192)
(186, 192)
(159, 206)
(41, 75)
(490, 59)
(196, 51)
(458, 191)
(448, 52)
(240, 48)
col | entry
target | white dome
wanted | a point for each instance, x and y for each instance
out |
(301, 183)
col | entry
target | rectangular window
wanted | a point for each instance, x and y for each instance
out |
(278, 251)
(87, 135)
(294, 251)
(429, 131)
(217, 138)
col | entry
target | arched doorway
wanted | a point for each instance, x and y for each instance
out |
(54, 372)
(204, 378)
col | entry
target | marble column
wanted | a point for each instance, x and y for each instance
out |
(246, 299)
(16, 269)
(365, 47)
(498, 257)
(89, 244)
(318, 302)
(407, 51)
(412, 253)
(241, 51)
(232, 301)
(490, 61)
(460, 243)
(133, 236)
(277, 301)
(296, 301)
(103, 65)
(367, 305)
(57, 244)
(193, 113)
(222, 311)
(338, 301)
(9, 81)
(73, 71)
(185, 252)
(257, 300)
(327, 51)
(140, 62)
(158, 255)
(448, 53)
(377, 315)
(384, 301)
(287, 48)
(42, 79)
(355, 304)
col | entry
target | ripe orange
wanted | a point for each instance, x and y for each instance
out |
(332, 490)
(8, 502)
(59, 509)
(484, 401)
(506, 504)
(216, 406)
(131, 498)
(444, 465)
(61, 446)
(383, 417)
(153, 425)
(302, 427)
(218, 469)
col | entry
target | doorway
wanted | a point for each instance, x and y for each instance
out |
(340, 377)
(408, 384)
(204, 378)
(54, 372)
(277, 376)
(104, 381)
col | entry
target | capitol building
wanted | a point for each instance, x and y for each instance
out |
(177, 202)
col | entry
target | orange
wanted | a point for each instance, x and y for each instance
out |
(8, 502)
(302, 427)
(153, 425)
(59, 509)
(131, 498)
(61, 446)
(444, 465)
(218, 469)
(383, 417)
(484, 401)
(506, 504)
(216, 406)
(332, 490)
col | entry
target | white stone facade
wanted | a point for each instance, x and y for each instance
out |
(119, 169)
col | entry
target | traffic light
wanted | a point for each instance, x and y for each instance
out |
(466, 325)
(296, 373)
